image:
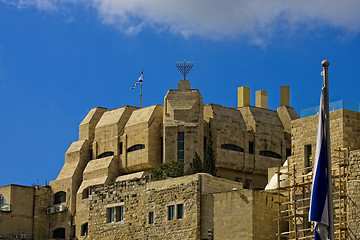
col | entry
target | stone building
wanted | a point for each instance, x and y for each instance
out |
(104, 190)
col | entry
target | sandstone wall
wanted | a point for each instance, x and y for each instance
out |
(138, 198)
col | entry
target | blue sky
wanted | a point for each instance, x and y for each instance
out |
(59, 59)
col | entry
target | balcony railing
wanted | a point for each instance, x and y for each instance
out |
(5, 207)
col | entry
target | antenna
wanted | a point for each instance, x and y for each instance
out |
(184, 67)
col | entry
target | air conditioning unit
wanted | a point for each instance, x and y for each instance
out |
(60, 208)
(50, 210)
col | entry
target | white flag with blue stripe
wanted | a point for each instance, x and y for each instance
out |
(140, 80)
(319, 191)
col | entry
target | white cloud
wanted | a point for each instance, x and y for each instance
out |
(44, 5)
(255, 20)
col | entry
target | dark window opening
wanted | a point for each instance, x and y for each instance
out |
(84, 229)
(288, 152)
(90, 154)
(308, 158)
(106, 154)
(119, 213)
(86, 193)
(151, 217)
(135, 147)
(161, 149)
(232, 147)
(269, 154)
(181, 146)
(59, 233)
(251, 147)
(60, 197)
(110, 215)
(120, 147)
(171, 212)
(180, 211)
(205, 141)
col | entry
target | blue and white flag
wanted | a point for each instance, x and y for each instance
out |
(319, 191)
(140, 80)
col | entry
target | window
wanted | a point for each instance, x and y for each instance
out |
(135, 147)
(181, 146)
(205, 141)
(151, 217)
(90, 154)
(288, 152)
(4, 206)
(59, 233)
(251, 147)
(232, 147)
(269, 154)
(86, 193)
(106, 154)
(60, 197)
(84, 229)
(180, 211)
(119, 213)
(161, 149)
(171, 212)
(110, 215)
(307, 156)
(120, 147)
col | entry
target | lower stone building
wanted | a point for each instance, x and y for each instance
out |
(187, 207)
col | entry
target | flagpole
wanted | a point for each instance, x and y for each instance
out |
(325, 65)
(141, 90)
(140, 94)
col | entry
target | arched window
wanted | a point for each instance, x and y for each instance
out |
(135, 147)
(60, 197)
(232, 147)
(106, 154)
(270, 154)
(4, 206)
(59, 233)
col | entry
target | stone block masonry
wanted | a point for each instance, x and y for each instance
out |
(139, 199)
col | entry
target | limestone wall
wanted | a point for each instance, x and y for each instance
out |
(354, 195)
(240, 214)
(344, 132)
(138, 198)
(19, 220)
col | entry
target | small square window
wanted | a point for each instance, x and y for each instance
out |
(110, 215)
(180, 211)
(171, 212)
(151, 217)
(119, 213)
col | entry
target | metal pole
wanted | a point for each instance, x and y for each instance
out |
(141, 87)
(140, 94)
(325, 65)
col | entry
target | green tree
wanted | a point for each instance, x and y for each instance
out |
(170, 169)
(197, 165)
(209, 157)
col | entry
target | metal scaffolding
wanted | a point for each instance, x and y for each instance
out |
(294, 193)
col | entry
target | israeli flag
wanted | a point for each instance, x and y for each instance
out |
(319, 191)
(140, 80)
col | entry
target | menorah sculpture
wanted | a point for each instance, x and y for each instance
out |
(184, 67)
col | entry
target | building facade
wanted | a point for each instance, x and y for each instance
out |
(104, 190)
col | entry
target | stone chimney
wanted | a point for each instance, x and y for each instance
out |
(285, 96)
(261, 99)
(243, 96)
